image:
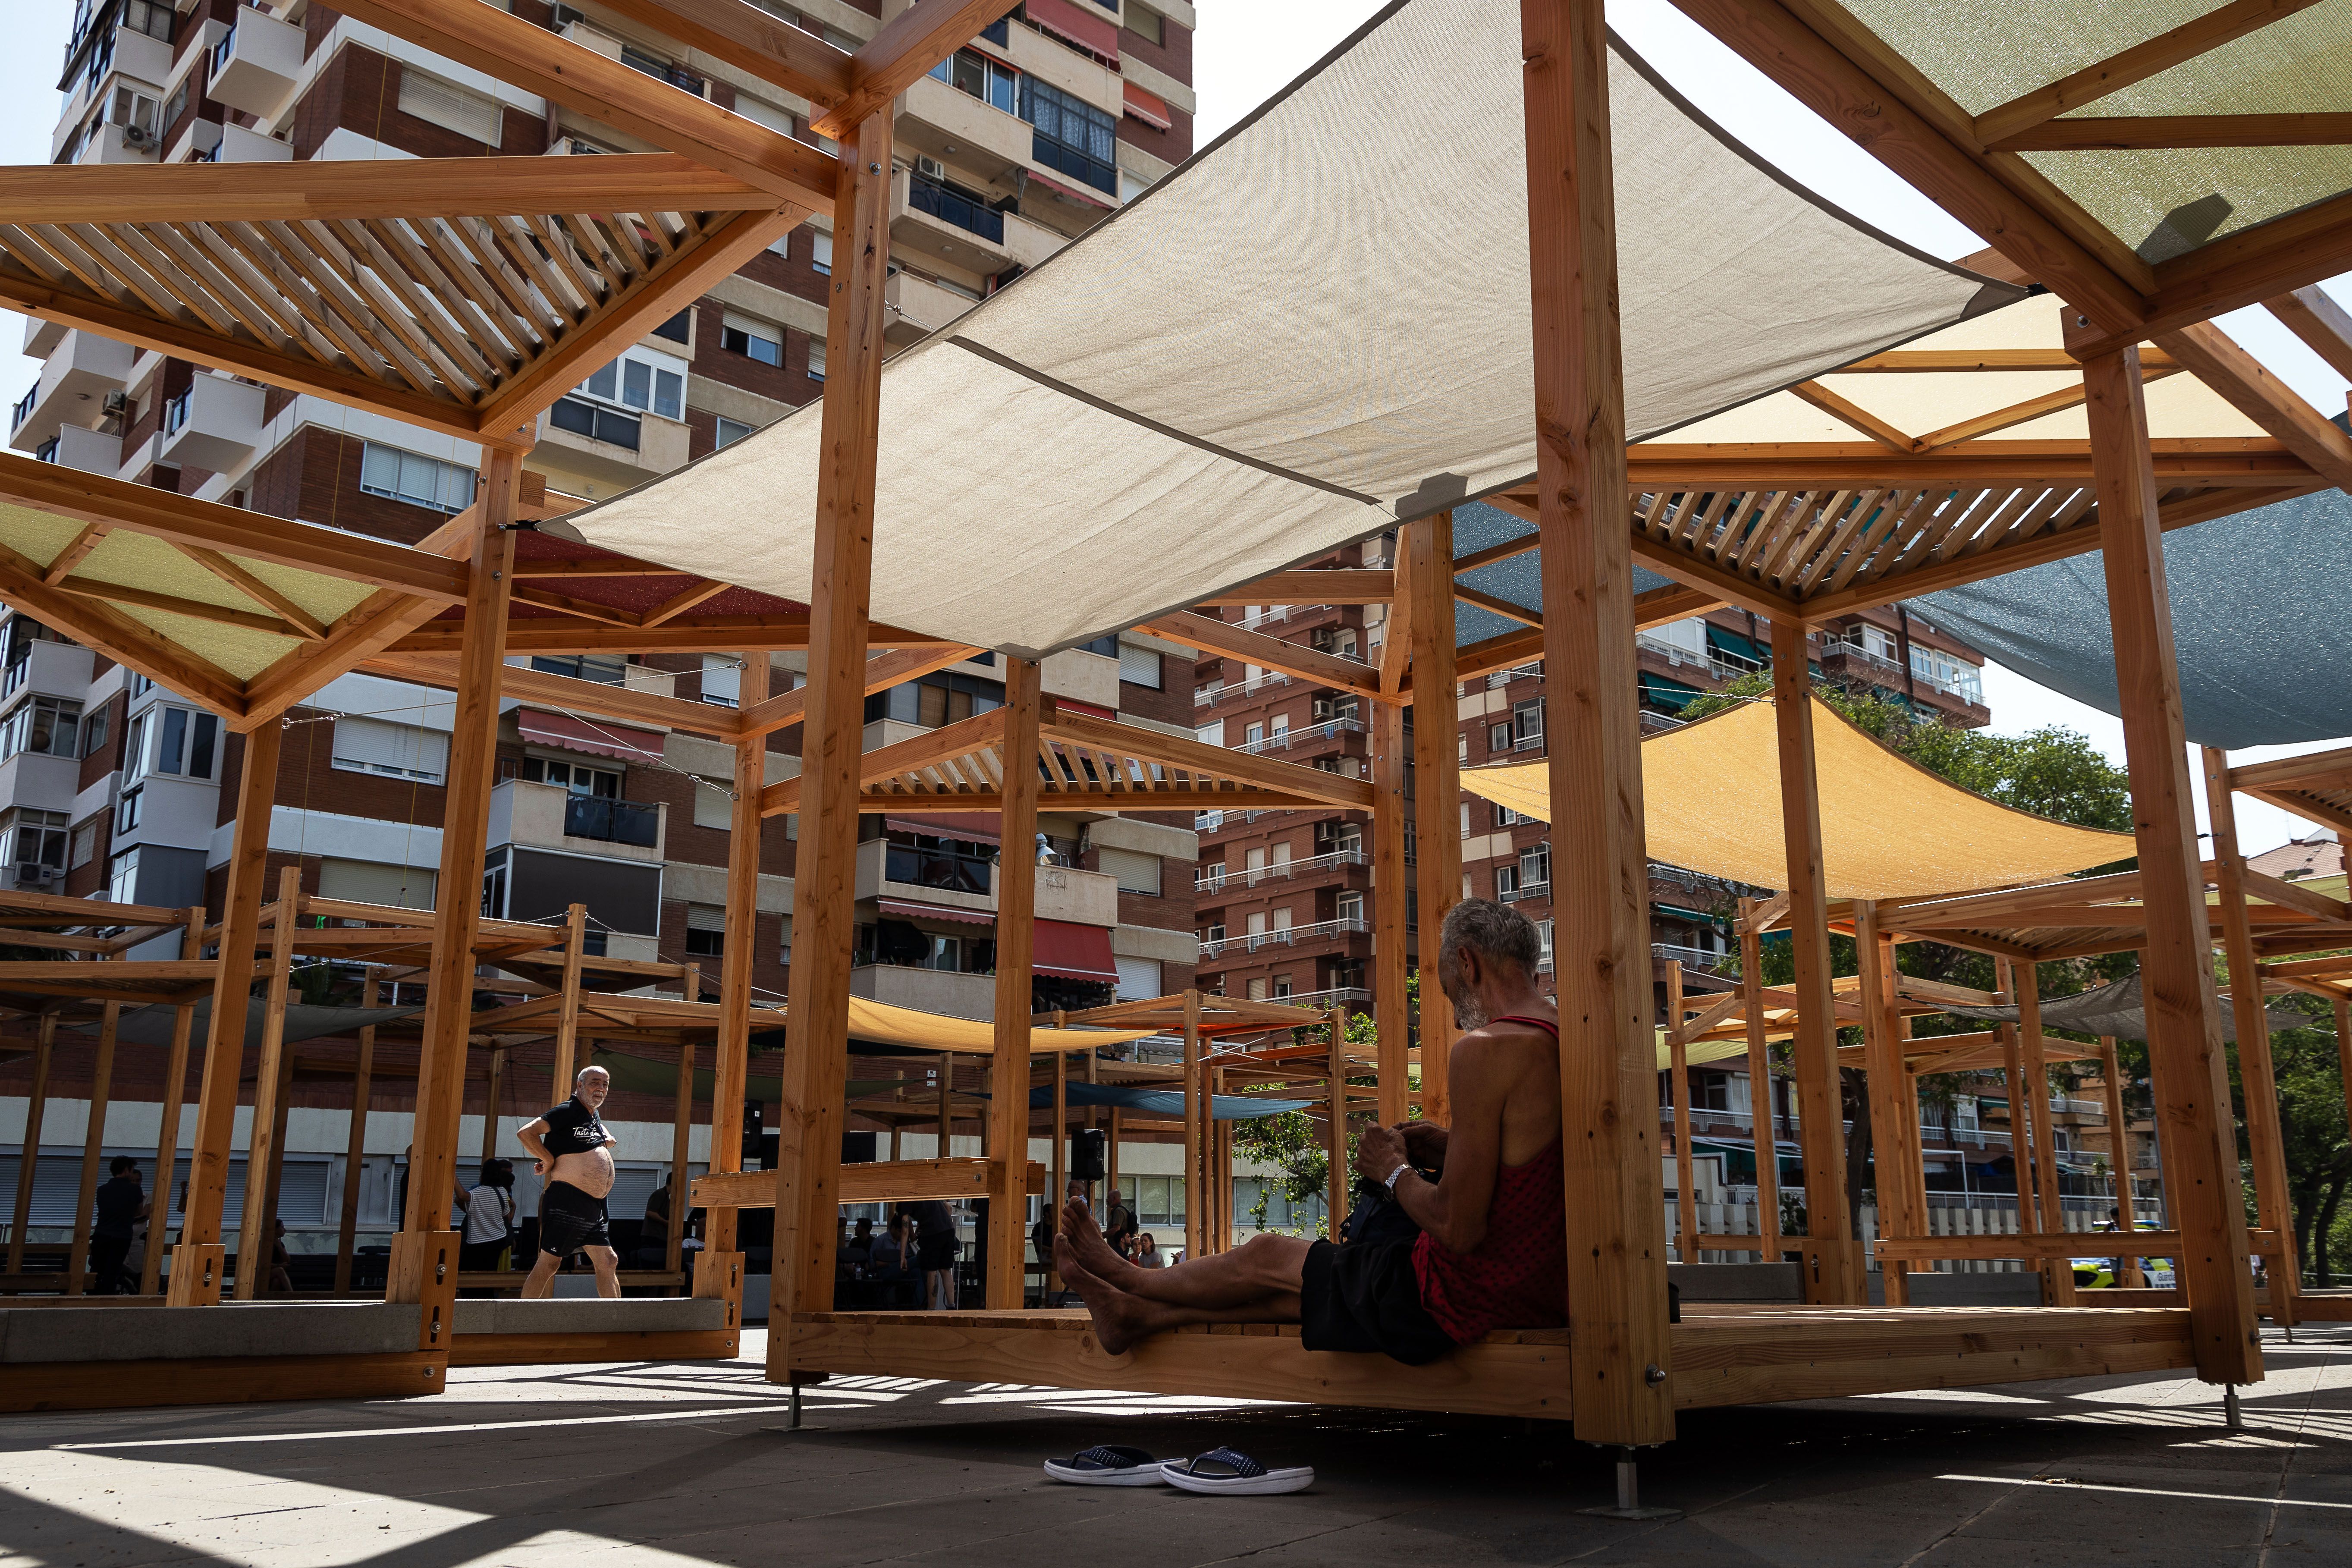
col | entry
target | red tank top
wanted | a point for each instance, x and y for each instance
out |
(1515, 1278)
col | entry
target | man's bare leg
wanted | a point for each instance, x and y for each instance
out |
(541, 1283)
(607, 1264)
(1264, 1267)
(1121, 1318)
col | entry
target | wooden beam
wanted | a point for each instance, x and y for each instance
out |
(2246, 266)
(1392, 930)
(2185, 1058)
(2142, 60)
(900, 55)
(1016, 937)
(2325, 326)
(473, 746)
(1812, 68)
(114, 634)
(252, 535)
(909, 755)
(2154, 132)
(2290, 895)
(324, 190)
(1311, 585)
(299, 620)
(2251, 388)
(1620, 1359)
(1846, 412)
(256, 1239)
(1217, 762)
(173, 605)
(1427, 548)
(570, 693)
(35, 1105)
(1730, 588)
(1212, 636)
(731, 1064)
(61, 565)
(1913, 361)
(824, 889)
(552, 67)
(2251, 461)
(1893, 1095)
(750, 39)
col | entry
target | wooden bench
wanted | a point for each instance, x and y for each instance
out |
(101, 1356)
(556, 1332)
(1730, 1355)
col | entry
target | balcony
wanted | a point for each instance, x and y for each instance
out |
(1210, 696)
(1290, 936)
(214, 425)
(954, 126)
(947, 991)
(1881, 670)
(1689, 957)
(1525, 890)
(72, 388)
(239, 144)
(920, 307)
(599, 444)
(91, 451)
(1249, 877)
(1714, 663)
(929, 219)
(1339, 997)
(549, 816)
(1303, 735)
(959, 882)
(255, 63)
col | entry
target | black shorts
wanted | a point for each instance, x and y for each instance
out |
(1363, 1297)
(569, 1219)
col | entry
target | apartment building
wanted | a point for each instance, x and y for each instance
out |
(111, 786)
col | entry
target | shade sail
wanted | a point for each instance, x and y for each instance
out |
(1344, 340)
(2260, 620)
(1074, 951)
(1163, 1102)
(152, 1025)
(1890, 830)
(936, 912)
(2119, 1010)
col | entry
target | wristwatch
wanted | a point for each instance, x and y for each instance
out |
(1401, 1168)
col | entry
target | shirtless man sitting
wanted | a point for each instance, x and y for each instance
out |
(572, 1153)
(1492, 1252)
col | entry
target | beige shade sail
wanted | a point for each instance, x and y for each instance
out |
(1890, 830)
(880, 1022)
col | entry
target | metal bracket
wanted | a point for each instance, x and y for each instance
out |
(1629, 1496)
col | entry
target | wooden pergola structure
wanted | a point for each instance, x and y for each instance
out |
(1797, 536)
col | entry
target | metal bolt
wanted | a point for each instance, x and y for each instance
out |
(872, 168)
(1653, 1374)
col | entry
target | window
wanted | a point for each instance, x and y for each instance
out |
(1506, 817)
(821, 258)
(494, 885)
(134, 749)
(1253, 734)
(415, 479)
(755, 340)
(122, 878)
(1498, 738)
(732, 430)
(1257, 989)
(714, 803)
(816, 359)
(34, 838)
(49, 726)
(970, 71)
(1349, 907)
(577, 777)
(1146, 24)
(393, 750)
(184, 741)
(1465, 819)
(1534, 866)
(1507, 881)
(129, 810)
(1543, 940)
(1210, 734)
(936, 699)
(1072, 137)
(583, 667)
(679, 329)
(1281, 986)
(722, 680)
(1527, 721)
(85, 844)
(923, 860)
(705, 930)
(450, 107)
(641, 382)
(1137, 872)
(1139, 978)
(132, 109)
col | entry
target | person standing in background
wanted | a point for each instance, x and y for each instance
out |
(122, 1204)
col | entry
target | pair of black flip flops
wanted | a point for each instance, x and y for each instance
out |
(1220, 1472)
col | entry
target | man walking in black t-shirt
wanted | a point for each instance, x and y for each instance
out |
(574, 1156)
(122, 1204)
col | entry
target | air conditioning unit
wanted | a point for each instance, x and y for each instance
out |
(33, 874)
(115, 402)
(1323, 708)
(139, 138)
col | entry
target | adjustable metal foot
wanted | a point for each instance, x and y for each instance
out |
(2232, 1417)
(794, 1424)
(1629, 1495)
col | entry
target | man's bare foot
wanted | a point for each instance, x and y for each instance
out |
(1094, 1254)
(1120, 1319)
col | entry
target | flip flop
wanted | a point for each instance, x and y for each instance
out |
(1234, 1474)
(1106, 1465)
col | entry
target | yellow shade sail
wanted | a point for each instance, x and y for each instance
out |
(1890, 830)
(880, 1021)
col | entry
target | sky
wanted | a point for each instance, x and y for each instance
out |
(1248, 49)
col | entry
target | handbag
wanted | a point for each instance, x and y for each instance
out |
(1377, 1216)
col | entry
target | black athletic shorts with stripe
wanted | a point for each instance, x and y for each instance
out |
(569, 1219)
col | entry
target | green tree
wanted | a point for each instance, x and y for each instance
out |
(1291, 1141)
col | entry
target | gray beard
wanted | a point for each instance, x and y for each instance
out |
(1469, 1013)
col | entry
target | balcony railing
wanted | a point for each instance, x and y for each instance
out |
(1289, 936)
(1722, 665)
(1209, 696)
(1338, 996)
(1525, 890)
(1969, 689)
(1321, 730)
(1249, 877)
(928, 196)
(1691, 957)
(175, 414)
(1268, 616)
(611, 821)
(23, 409)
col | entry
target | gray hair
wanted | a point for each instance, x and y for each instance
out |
(1498, 933)
(583, 1072)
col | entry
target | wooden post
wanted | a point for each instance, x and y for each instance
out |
(1833, 1272)
(1619, 1362)
(1678, 1092)
(492, 1095)
(93, 1145)
(473, 748)
(2185, 1059)
(731, 1071)
(1893, 1097)
(1391, 925)
(1193, 1193)
(2021, 1107)
(196, 1261)
(1016, 938)
(2344, 1051)
(28, 1158)
(261, 1137)
(2119, 1159)
(347, 1231)
(947, 1109)
(808, 1141)
(2050, 1214)
(567, 1017)
(1060, 1179)
(1110, 1160)
(1335, 1131)
(681, 1151)
(2265, 1140)
(1221, 1183)
(1437, 784)
(167, 1135)
(1760, 1119)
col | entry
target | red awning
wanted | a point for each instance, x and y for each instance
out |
(1082, 194)
(1086, 708)
(1096, 35)
(965, 827)
(599, 737)
(1149, 107)
(1074, 951)
(936, 912)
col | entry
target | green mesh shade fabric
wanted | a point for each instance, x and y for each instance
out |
(2260, 617)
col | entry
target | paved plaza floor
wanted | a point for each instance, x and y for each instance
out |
(674, 1464)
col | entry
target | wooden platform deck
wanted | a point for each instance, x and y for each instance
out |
(1722, 1356)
